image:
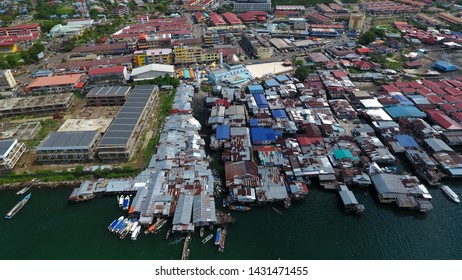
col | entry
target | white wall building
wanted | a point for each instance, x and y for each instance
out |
(7, 81)
(152, 71)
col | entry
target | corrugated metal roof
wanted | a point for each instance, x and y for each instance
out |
(183, 210)
(68, 140)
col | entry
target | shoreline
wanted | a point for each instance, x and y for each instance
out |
(40, 185)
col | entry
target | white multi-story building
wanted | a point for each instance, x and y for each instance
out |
(252, 5)
(10, 153)
(7, 81)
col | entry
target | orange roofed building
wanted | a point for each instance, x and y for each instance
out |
(56, 84)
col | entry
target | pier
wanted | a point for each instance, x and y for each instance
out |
(224, 218)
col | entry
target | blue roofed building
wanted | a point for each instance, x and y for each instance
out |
(403, 100)
(262, 135)
(222, 132)
(271, 83)
(253, 122)
(419, 99)
(444, 66)
(406, 141)
(279, 114)
(282, 78)
(344, 154)
(261, 101)
(404, 111)
(256, 89)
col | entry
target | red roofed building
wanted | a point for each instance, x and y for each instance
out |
(457, 116)
(435, 99)
(363, 51)
(429, 83)
(253, 17)
(217, 20)
(318, 18)
(363, 65)
(56, 84)
(443, 120)
(200, 17)
(390, 88)
(308, 141)
(232, 19)
(109, 75)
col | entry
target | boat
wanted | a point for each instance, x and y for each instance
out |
(221, 246)
(136, 232)
(452, 195)
(159, 226)
(23, 191)
(119, 222)
(121, 201)
(150, 229)
(202, 232)
(121, 226)
(276, 210)
(206, 239)
(134, 225)
(155, 226)
(18, 207)
(114, 223)
(239, 208)
(126, 203)
(217, 237)
(124, 233)
(168, 234)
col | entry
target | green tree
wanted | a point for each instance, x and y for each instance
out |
(367, 38)
(11, 61)
(302, 72)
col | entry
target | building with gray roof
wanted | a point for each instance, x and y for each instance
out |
(68, 146)
(120, 140)
(204, 210)
(107, 96)
(183, 211)
(404, 190)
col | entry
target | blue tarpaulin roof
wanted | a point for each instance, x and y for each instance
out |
(253, 122)
(404, 111)
(279, 114)
(282, 78)
(262, 134)
(255, 88)
(402, 99)
(419, 99)
(406, 141)
(261, 100)
(271, 83)
(223, 132)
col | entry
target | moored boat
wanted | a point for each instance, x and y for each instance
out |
(202, 232)
(136, 232)
(168, 234)
(276, 210)
(114, 223)
(121, 226)
(134, 225)
(121, 201)
(207, 238)
(119, 222)
(126, 203)
(23, 191)
(450, 193)
(18, 207)
(217, 237)
(239, 208)
(160, 225)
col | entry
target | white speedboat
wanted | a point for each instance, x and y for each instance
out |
(452, 195)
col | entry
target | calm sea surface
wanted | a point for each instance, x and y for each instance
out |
(48, 227)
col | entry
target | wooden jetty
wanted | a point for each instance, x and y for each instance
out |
(224, 218)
